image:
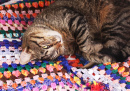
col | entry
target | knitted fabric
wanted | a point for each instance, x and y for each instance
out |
(62, 75)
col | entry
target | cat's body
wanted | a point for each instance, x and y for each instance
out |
(99, 30)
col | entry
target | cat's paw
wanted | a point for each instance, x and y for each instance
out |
(100, 58)
(107, 58)
(89, 65)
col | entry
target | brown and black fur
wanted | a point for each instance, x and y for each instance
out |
(99, 30)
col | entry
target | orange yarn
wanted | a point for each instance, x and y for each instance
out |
(1, 75)
(50, 77)
(5, 86)
(15, 6)
(57, 77)
(32, 82)
(41, 79)
(1, 15)
(64, 77)
(21, 16)
(23, 83)
(15, 15)
(25, 72)
(28, 16)
(14, 85)
(72, 80)
(1, 7)
(34, 71)
(121, 70)
(34, 15)
(125, 74)
(21, 5)
(35, 4)
(8, 15)
(8, 6)
(41, 3)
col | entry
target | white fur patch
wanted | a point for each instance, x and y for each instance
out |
(48, 32)
(25, 57)
(54, 33)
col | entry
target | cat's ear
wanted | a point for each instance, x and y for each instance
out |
(25, 57)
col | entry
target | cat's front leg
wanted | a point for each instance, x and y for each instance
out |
(90, 46)
(92, 53)
(98, 58)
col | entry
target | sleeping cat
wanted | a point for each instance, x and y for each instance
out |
(99, 30)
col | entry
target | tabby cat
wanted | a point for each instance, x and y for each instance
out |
(99, 30)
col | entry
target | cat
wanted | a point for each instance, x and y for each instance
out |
(99, 30)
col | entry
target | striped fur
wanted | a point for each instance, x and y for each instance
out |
(97, 29)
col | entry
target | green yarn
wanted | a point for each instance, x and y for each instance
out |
(28, 67)
(2, 70)
(23, 2)
(17, 31)
(10, 69)
(100, 65)
(51, 63)
(108, 66)
(43, 65)
(3, 32)
(19, 68)
(37, 67)
(128, 83)
(117, 74)
(114, 71)
(123, 78)
(10, 31)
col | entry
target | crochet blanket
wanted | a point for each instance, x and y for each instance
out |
(62, 75)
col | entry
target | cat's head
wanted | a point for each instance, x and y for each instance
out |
(41, 42)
